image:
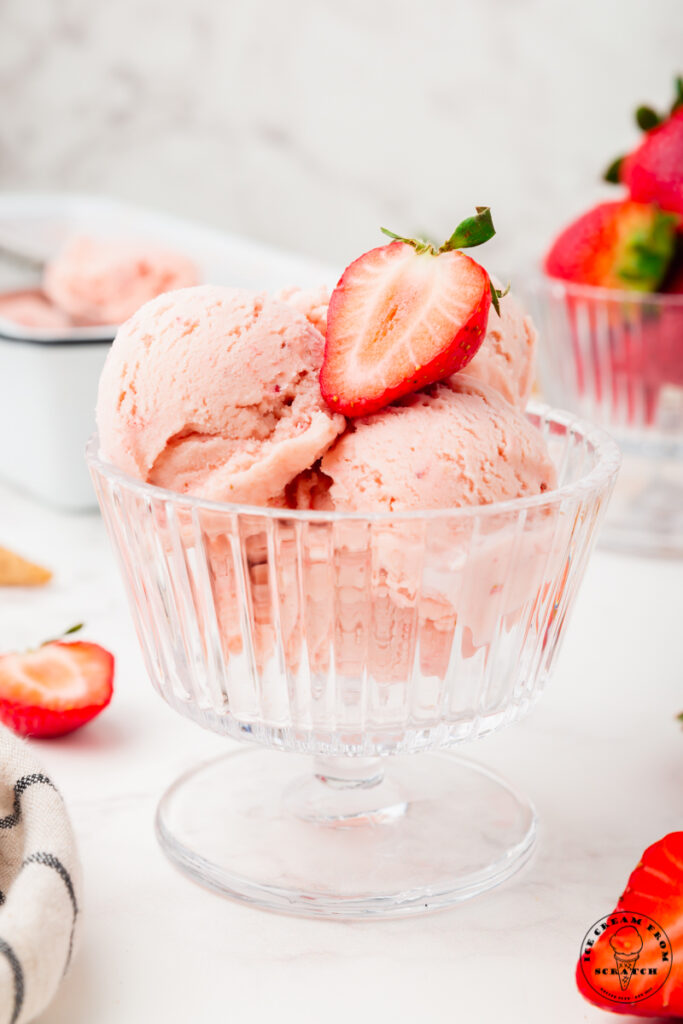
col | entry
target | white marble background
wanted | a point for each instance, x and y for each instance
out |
(309, 123)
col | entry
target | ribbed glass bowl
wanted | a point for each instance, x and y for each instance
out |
(616, 357)
(351, 637)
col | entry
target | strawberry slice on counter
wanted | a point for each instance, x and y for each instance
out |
(404, 316)
(635, 965)
(56, 688)
(619, 244)
(653, 173)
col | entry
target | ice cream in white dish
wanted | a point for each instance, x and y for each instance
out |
(98, 281)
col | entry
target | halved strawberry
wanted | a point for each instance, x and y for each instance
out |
(403, 316)
(644, 978)
(653, 173)
(615, 245)
(56, 688)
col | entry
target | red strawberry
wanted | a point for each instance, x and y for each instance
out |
(403, 316)
(653, 173)
(56, 688)
(615, 245)
(633, 961)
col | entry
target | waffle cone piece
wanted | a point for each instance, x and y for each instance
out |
(16, 571)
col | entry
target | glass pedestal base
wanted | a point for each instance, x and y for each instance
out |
(354, 838)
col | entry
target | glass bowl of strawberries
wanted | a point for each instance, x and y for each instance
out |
(610, 311)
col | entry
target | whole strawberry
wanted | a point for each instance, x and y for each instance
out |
(653, 173)
(404, 316)
(623, 245)
(632, 962)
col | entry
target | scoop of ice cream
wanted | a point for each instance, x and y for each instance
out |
(32, 308)
(506, 358)
(454, 444)
(626, 941)
(312, 302)
(105, 281)
(214, 391)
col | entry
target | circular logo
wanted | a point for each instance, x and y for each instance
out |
(626, 957)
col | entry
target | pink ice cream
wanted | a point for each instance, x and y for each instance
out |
(214, 391)
(506, 359)
(312, 302)
(98, 281)
(454, 444)
(31, 308)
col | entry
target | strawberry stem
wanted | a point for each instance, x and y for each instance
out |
(469, 233)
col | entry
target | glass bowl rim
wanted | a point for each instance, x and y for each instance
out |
(608, 461)
(541, 283)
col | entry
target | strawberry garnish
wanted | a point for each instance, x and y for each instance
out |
(634, 964)
(615, 245)
(404, 316)
(653, 173)
(56, 688)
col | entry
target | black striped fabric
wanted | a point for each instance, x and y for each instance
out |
(50, 861)
(20, 786)
(18, 978)
(45, 859)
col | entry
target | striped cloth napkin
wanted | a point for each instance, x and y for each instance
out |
(39, 884)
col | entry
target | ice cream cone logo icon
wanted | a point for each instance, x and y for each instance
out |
(626, 945)
(626, 957)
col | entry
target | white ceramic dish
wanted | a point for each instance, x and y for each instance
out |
(48, 380)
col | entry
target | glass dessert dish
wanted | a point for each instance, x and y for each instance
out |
(616, 357)
(334, 643)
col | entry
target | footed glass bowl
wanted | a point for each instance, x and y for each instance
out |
(616, 357)
(330, 642)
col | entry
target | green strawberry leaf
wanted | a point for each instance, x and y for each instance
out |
(497, 295)
(67, 632)
(647, 118)
(613, 171)
(472, 231)
(678, 101)
(418, 244)
(647, 253)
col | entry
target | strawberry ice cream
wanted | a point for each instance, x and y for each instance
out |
(31, 308)
(312, 302)
(214, 391)
(104, 281)
(506, 359)
(451, 445)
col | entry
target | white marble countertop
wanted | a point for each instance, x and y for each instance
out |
(601, 758)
